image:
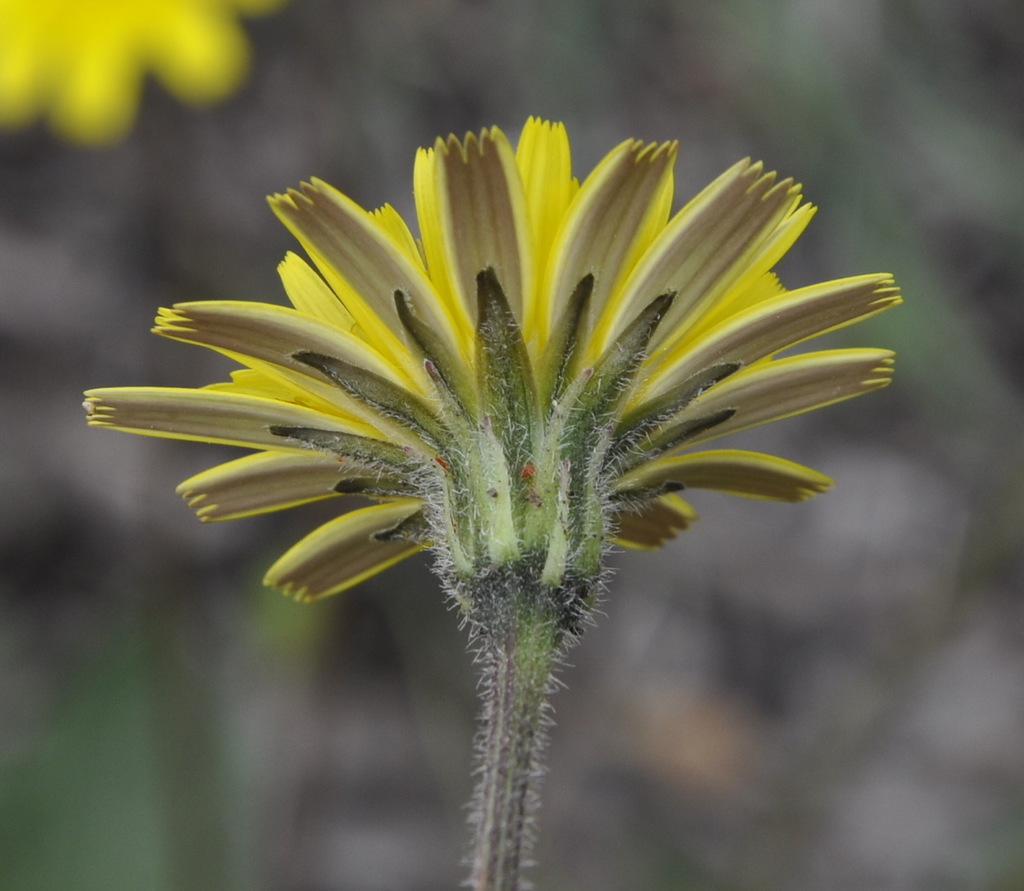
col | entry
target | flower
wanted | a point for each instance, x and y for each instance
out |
(523, 383)
(84, 63)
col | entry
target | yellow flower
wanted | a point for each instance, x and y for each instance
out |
(83, 61)
(521, 384)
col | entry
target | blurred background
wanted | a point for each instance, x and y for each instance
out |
(823, 696)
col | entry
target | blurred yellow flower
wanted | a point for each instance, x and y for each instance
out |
(82, 62)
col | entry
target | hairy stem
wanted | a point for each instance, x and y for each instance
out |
(517, 655)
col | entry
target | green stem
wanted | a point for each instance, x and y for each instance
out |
(517, 652)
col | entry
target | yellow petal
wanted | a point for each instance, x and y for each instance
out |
(267, 337)
(545, 167)
(655, 523)
(263, 482)
(763, 254)
(731, 302)
(717, 239)
(270, 333)
(269, 382)
(365, 266)
(344, 552)
(773, 390)
(310, 294)
(430, 214)
(473, 216)
(772, 325)
(738, 472)
(258, 381)
(610, 223)
(206, 415)
(390, 220)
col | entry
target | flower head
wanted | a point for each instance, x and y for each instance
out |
(525, 381)
(83, 63)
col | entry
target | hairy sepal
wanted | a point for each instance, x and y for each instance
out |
(633, 438)
(666, 438)
(504, 373)
(455, 387)
(374, 453)
(390, 400)
(562, 346)
(600, 388)
(648, 415)
(584, 420)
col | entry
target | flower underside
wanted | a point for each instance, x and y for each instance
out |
(525, 381)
